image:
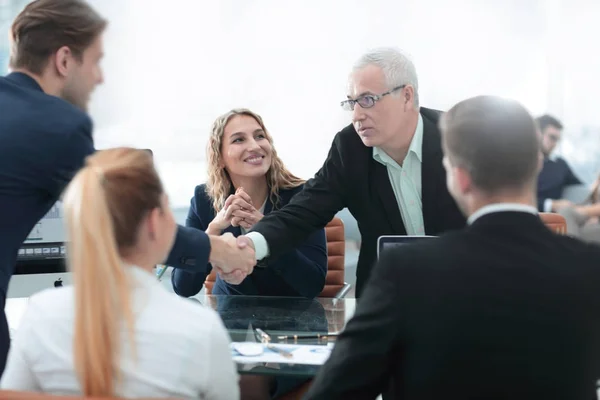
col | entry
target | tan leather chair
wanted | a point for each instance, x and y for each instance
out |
(13, 395)
(335, 286)
(555, 222)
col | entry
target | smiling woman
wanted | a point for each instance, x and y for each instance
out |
(246, 180)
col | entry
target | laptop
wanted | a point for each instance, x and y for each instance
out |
(386, 242)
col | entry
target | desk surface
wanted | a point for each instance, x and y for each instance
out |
(277, 316)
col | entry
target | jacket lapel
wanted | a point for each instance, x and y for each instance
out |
(388, 198)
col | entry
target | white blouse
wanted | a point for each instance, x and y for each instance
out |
(182, 347)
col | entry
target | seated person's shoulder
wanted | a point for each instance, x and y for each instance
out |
(52, 303)
(201, 196)
(193, 313)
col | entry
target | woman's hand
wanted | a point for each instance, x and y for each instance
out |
(244, 216)
(239, 202)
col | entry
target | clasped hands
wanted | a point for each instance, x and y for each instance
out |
(234, 258)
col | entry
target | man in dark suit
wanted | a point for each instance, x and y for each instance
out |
(556, 174)
(45, 133)
(504, 309)
(386, 167)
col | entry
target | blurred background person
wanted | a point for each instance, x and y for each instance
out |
(556, 174)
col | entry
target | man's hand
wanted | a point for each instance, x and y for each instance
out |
(237, 276)
(558, 205)
(230, 258)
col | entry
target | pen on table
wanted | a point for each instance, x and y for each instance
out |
(284, 353)
(313, 336)
(265, 339)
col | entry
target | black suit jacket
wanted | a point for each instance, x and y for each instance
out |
(505, 309)
(552, 180)
(43, 142)
(350, 177)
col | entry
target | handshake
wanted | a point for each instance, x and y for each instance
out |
(233, 258)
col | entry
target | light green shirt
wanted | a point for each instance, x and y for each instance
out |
(406, 181)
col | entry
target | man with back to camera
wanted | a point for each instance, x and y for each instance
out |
(503, 309)
(386, 167)
(556, 174)
(45, 132)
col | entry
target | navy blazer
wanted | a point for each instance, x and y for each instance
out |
(299, 272)
(552, 180)
(43, 142)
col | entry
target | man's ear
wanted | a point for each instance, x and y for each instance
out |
(463, 179)
(62, 60)
(408, 96)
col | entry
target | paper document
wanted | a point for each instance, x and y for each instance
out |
(301, 354)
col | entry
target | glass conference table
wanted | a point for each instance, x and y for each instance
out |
(280, 316)
(276, 316)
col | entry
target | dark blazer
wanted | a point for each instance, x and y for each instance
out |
(350, 177)
(43, 142)
(298, 272)
(552, 180)
(505, 309)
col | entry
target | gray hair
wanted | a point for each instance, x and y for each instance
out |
(397, 67)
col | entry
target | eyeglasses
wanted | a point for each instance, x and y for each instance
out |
(367, 101)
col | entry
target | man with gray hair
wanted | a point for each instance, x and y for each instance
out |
(385, 167)
(504, 309)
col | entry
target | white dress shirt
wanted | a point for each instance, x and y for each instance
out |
(182, 347)
(501, 207)
(406, 182)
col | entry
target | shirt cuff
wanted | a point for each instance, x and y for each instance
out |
(261, 247)
(548, 205)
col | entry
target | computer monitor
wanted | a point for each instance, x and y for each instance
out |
(389, 241)
(41, 261)
(41, 258)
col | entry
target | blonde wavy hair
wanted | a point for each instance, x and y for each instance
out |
(218, 185)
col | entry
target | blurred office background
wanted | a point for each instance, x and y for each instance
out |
(172, 67)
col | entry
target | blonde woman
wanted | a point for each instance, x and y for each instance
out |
(246, 180)
(114, 333)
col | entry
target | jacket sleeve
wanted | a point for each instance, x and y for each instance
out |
(189, 255)
(310, 210)
(305, 268)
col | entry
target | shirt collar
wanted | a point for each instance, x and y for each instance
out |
(416, 146)
(141, 277)
(501, 207)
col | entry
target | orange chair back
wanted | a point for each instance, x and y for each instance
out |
(336, 256)
(555, 222)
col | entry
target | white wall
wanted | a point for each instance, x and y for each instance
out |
(172, 67)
